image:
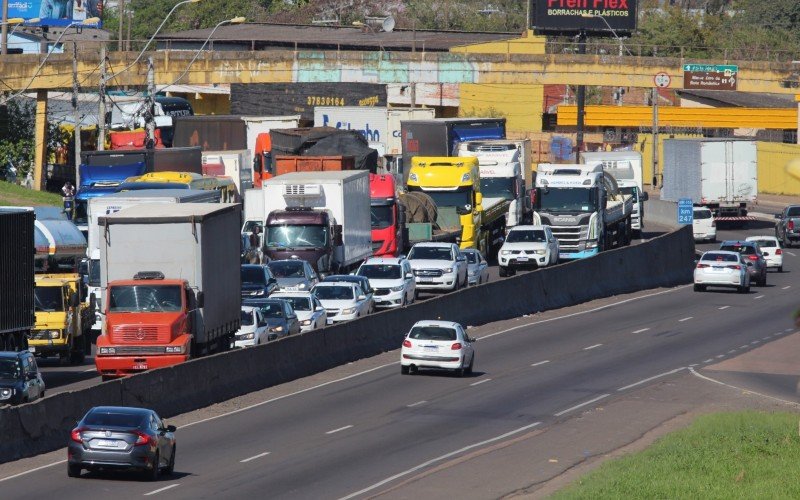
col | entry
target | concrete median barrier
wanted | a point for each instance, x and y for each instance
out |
(44, 425)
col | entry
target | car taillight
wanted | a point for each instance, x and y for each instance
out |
(406, 343)
(456, 346)
(142, 439)
(76, 435)
(701, 266)
(778, 252)
(790, 225)
(752, 257)
(737, 267)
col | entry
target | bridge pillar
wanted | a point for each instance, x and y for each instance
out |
(40, 142)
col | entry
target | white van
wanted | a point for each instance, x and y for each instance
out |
(705, 227)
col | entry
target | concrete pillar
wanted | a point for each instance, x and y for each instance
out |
(40, 142)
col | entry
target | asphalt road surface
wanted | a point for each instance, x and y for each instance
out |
(365, 433)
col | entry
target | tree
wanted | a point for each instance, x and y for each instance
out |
(17, 122)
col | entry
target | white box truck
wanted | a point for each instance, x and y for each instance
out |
(172, 285)
(626, 168)
(114, 202)
(320, 217)
(238, 166)
(721, 174)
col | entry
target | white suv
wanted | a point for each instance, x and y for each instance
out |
(527, 247)
(438, 266)
(392, 279)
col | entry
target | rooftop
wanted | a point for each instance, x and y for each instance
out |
(732, 98)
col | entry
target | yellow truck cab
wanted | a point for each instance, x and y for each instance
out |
(192, 180)
(454, 185)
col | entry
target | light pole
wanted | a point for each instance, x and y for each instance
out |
(622, 45)
(104, 79)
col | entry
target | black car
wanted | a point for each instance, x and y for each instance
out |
(20, 380)
(119, 437)
(257, 281)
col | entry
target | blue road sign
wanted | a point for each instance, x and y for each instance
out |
(685, 213)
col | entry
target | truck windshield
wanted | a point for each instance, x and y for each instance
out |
(381, 216)
(48, 299)
(498, 187)
(297, 236)
(9, 369)
(461, 198)
(144, 298)
(94, 272)
(566, 200)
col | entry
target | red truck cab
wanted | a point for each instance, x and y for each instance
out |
(148, 324)
(262, 159)
(386, 229)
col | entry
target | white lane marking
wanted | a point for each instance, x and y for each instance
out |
(692, 365)
(541, 363)
(720, 356)
(641, 330)
(592, 347)
(685, 319)
(709, 360)
(339, 429)
(759, 297)
(788, 330)
(732, 351)
(765, 337)
(479, 382)
(439, 459)
(723, 308)
(792, 254)
(254, 457)
(744, 346)
(598, 398)
(747, 391)
(676, 370)
(90, 370)
(165, 488)
(786, 287)
(33, 470)
(416, 404)
(755, 342)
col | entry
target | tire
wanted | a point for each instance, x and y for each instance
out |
(171, 467)
(459, 372)
(468, 371)
(73, 470)
(764, 280)
(416, 294)
(404, 370)
(503, 272)
(152, 475)
(780, 269)
(699, 288)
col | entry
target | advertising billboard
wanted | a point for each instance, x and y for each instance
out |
(56, 12)
(598, 17)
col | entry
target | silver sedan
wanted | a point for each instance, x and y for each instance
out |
(477, 267)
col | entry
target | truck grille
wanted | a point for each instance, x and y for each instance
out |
(136, 333)
(140, 349)
(568, 237)
(39, 335)
(428, 273)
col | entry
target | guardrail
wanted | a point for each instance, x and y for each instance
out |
(44, 425)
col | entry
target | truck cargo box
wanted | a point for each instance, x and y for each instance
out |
(16, 273)
(176, 159)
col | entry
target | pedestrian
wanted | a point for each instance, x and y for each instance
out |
(68, 189)
(255, 245)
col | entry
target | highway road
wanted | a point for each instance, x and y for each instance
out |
(365, 433)
(59, 378)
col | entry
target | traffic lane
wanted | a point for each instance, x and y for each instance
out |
(207, 435)
(60, 377)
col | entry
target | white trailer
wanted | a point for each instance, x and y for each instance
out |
(253, 210)
(506, 176)
(238, 166)
(626, 168)
(721, 174)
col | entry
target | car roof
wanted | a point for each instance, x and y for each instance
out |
(258, 266)
(344, 277)
(723, 252)
(434, 322)
(285, 260)
(738, 243)
(268, 300)
(335, 283)
(700, 208)
(539, 227)
(435, 244)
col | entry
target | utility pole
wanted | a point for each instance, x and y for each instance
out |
(150, 119)
(413, 95)
(580, 97)
(101, 122)
(4, 34)
(654, 94)
(121, 12)
(76, 113)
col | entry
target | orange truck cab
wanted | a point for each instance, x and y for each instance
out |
(262, 160)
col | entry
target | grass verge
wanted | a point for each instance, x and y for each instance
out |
(13, 195)
(724, 455)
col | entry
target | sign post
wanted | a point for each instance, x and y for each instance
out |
(685, 211)
(710, 76)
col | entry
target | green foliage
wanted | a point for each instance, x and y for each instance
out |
(17, 121)
(728, 455)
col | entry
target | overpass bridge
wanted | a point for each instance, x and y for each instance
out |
(287, 66)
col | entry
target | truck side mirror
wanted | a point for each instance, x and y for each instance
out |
(478, 199)
(92, 302)
(200, 299)
(337, 235)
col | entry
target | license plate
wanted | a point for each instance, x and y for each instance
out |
(522, 259)
(32, 349)
(328, 321)
(431, 348)
(107, 443)
(718, 268)
(426, 280)
(140, 366)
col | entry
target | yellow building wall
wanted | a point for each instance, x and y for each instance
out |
(636, 116)
(773, 178)
(207, 104)
(520, 104)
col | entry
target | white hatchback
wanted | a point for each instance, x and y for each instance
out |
(253, 329)
(722, 268)
(392, 279)
(310, 312)
(771, 248)
(437, 344)
(705, 227)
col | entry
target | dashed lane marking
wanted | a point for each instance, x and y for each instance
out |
(339, 429)
(592, 347)
(165, 488)
(479, 382)
(598, 398)
(254, 457)
(541, 363)
(641, 330)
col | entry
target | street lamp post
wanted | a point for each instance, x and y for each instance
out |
(580, 97)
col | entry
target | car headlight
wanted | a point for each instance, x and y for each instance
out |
(505, 252)
(54, 334)
(258, 293)
(413, 177)
(108, 350)
(249, 336)
(591, 244)
(6, 393)
(539, 252)
(174, 349)
(397, 288)
(274, 329)
(301, 286)
(305, 322)
(350, 310)
(448, 270)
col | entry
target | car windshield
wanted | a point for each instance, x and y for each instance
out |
(9, 368)
(793, 212)
(297, 236)
(105, 419)
(299, 303)
(566, 200)
(247, 318)
(767, 243)
(94, 272)
(498, 187)
(271, 310)
(702, 214)
(472, 257)
(253, 275)
(380, 271)
(334, 293)
(742, 249)
(720, 257)
(432, 333)
(145, 298)
(381, 216)
(287, 269)
(430, 253)
(48, 299)
(526, 236)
